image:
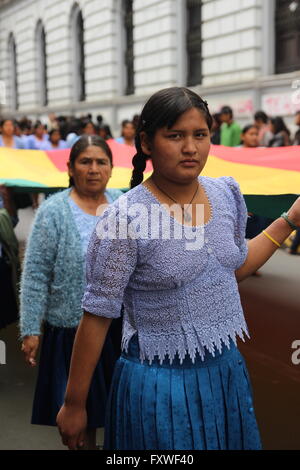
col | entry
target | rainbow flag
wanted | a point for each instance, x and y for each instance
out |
(269, 177)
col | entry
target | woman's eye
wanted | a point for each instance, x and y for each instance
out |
(201, 135)
(174, 136)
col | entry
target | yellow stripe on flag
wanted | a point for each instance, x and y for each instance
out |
(256, 180)
(32, 165)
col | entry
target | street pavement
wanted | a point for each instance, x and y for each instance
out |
(272, 310)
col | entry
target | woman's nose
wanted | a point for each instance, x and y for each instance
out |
(189, 145)
(94, 167)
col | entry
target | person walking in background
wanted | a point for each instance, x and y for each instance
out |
(297, 134)
(74, 132)
(53, 282)
(8, 137)
(127, 133)
(104, 131)
(55, 142)
(250, 136)
(88, 128)
(216, 129)
(230, 130)
(38, 138)
(261, 121)
(281, 134)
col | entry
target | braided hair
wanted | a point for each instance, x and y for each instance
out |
(162, 110)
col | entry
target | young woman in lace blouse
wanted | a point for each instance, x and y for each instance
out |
(53, 281)
(181, 382)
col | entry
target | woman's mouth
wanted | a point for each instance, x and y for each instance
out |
(189, 163)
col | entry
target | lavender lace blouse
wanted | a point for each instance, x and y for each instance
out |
(177, 300)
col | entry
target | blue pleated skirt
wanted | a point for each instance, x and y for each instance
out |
(54, 365)
(202, 406)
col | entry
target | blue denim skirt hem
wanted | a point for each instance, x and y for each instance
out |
(205, 405)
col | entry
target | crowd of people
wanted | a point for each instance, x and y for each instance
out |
(264, 131)
(60, 132)
(172, 376)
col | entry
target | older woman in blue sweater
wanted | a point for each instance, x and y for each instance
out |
(53, 282)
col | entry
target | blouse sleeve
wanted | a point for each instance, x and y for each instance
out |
(241, 215)
(109, 265)
(37, 271)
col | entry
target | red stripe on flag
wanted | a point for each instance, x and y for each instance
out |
(122, 156)
(284, 158)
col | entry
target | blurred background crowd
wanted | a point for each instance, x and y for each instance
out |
(61, 132)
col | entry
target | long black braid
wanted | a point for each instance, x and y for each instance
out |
(163, 109)
(140, 158)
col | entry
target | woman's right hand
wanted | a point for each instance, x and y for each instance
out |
(29, 347)
(72, 423)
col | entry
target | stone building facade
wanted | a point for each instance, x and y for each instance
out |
(78, 57)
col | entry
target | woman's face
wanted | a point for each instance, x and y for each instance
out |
(89, 129)
(102, 133)
(39, 131)
(128, 131)
(8, 128)
(250, 138)
(55, 137)
(179, 154)
(91, 171)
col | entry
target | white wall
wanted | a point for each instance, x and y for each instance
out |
(238, 54)
(232, 39)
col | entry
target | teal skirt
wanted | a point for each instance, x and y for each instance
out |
(205, 405)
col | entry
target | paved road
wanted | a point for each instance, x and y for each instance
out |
(272, 310)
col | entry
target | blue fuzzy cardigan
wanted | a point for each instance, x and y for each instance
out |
(53, 279)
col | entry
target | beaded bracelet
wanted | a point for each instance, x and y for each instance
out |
(285, 216)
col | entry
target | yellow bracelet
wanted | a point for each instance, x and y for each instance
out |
(270, 238)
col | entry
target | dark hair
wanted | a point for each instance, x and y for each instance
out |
(85, 123)
(3, 121)
(163, 109)
(217, 119)
(279, 125)
(248, 127)
(261, 116)
(84, 142)
(52, 132)
(38, 124)
(74, 126)
(125, 122)
(107, 129)
(226, 110)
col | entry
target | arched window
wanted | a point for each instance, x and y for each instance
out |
(77, 44)
(287, 30)
(13, 72)
(41, 64)
(193, 42)
(129, 53)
